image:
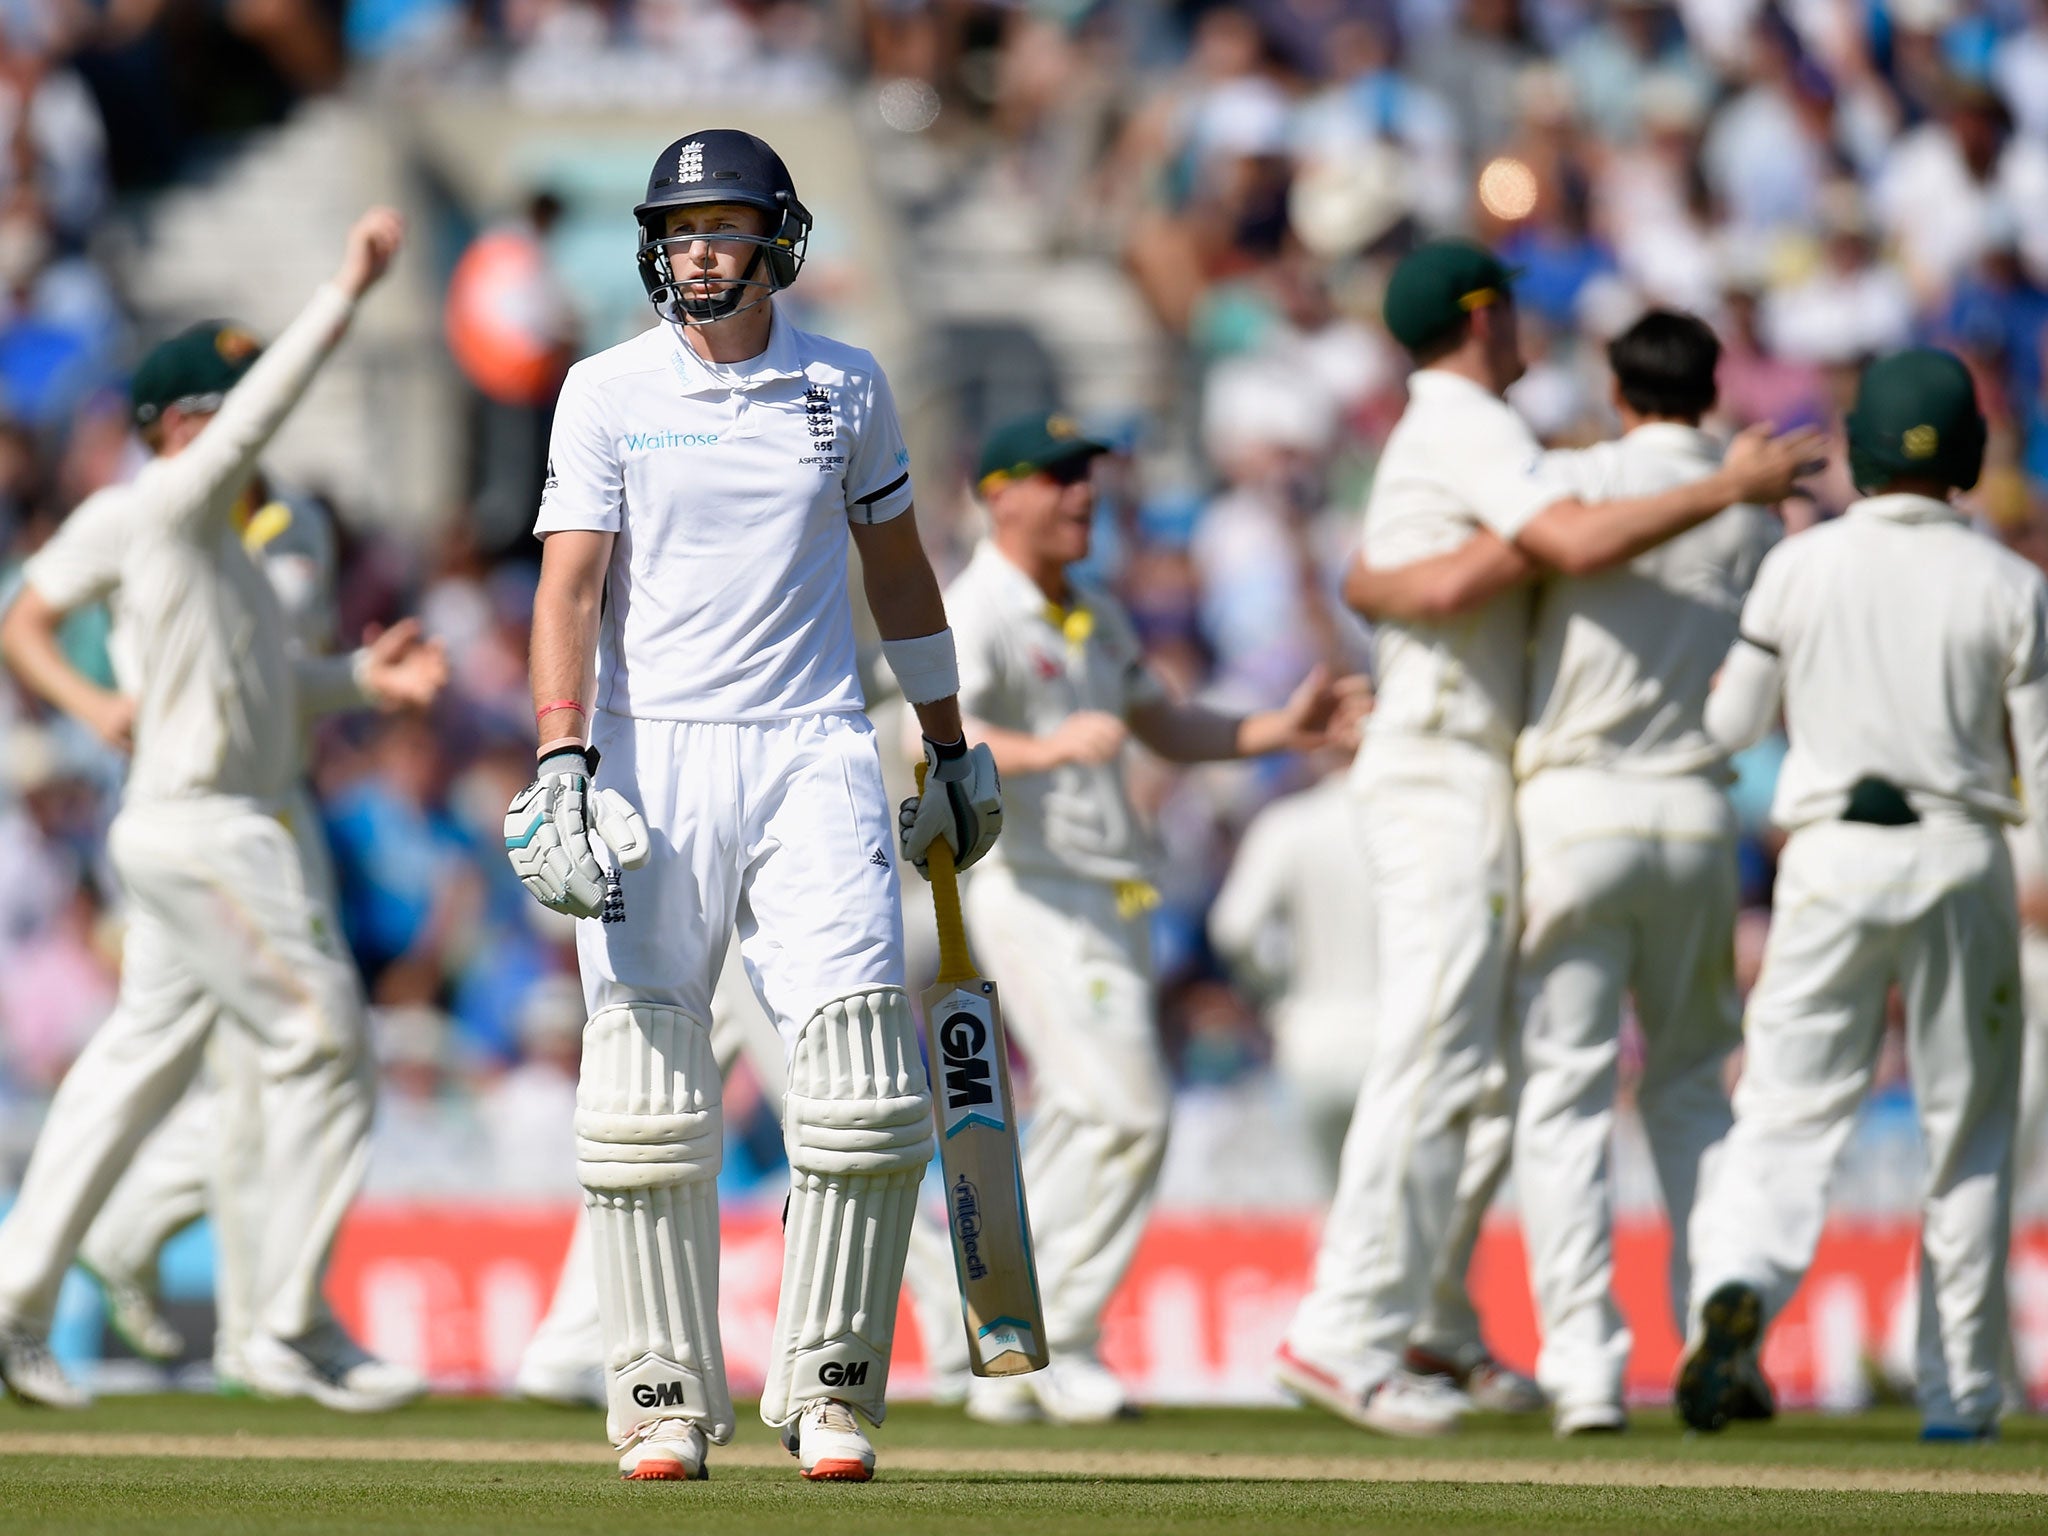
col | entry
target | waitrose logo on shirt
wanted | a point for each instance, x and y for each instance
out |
(648, 442)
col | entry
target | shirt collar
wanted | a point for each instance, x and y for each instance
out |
(1442, 384)
(1905, 507)
(1674, 437)
(1016, 589)
(777, 363)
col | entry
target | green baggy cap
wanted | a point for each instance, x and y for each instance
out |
(1021, 448)
(1437, 285)
(198, 366)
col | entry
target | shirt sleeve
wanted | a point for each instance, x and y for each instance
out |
(1763, 612)
(585, 486)
(2027, 661)
(81, 563)
(1576, 472)
(878, 468)
(1499, 472)
(975, 653)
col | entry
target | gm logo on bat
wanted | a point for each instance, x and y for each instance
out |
(968, 1063)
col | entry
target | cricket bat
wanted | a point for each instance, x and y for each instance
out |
(985, 1212)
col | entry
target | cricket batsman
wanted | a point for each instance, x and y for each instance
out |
(224, 924)
(1055, 685)
(1909, 655)
(1460, 515)
(701, 731)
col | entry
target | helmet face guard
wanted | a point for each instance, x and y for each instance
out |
(669, 277)
(719, 165)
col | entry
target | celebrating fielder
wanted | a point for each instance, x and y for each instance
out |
(693, 655)
(1459, 515)
(1053, 682)
(223, 920)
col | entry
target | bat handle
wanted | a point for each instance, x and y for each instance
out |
(955, 963)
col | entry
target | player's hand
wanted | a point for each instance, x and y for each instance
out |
(400, 669)
(1089, 737)
(1304, 720)
(1355, 700)
(112, 719)
(549, 830)
(1764, 467)
(373, 242)
(962, 803)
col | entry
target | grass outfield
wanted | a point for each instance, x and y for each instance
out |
(210, 1465)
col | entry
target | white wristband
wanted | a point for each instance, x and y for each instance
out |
(925, 667)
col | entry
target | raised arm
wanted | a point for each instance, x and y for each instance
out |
(185, 488)
(1440, 587)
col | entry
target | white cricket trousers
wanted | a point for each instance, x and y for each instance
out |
(1436, 831)
(1628, 887)
(1075, 978)
(1858, 908)
(221, 928)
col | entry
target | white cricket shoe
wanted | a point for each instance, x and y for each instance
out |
(829, 1443)
(1002, 1400)
(566, 1386)
(132, 1312)
(1079, 1389)
(329, 1367)
(1409, 1407)
(1492, 1387)
(31, 1372)
(668, 1451)
(1589, 1419)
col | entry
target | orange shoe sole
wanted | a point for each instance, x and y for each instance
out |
(839, 1472)
(664, 1472)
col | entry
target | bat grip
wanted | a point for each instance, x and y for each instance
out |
(956, 964)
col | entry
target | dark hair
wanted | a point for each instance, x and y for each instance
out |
(1665, 364)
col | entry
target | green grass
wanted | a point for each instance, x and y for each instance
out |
(74, 1494)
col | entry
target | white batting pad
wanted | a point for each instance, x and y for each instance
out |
(857, 1121)
(650, 1137)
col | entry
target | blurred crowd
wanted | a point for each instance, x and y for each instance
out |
(1823, 180)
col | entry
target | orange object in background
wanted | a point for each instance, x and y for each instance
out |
(506, 319)
(457, 1290)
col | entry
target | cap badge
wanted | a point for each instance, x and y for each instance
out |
(233, 344)
(1061, 426)
(1921, 442)
(690, 161)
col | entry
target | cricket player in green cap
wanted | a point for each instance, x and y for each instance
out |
(1053, 680)
(1909, 656)
(226, 927)
(1461, 516)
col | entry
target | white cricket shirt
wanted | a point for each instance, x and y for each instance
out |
(730, 487)
(1621, 662)
(1898, 632)
(1459, 459)
(200, 640)
(1026, 665)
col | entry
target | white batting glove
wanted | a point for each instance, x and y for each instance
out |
(962, 802)
(548, 833)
